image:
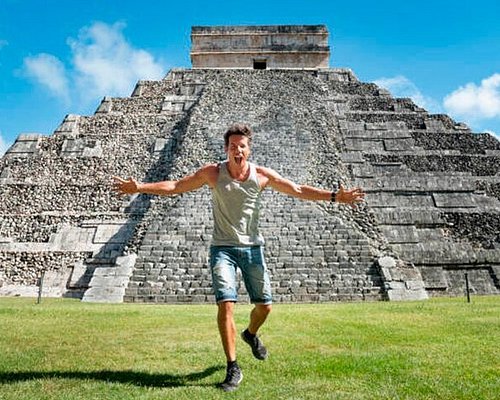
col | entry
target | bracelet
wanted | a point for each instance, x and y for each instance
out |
(332, 199)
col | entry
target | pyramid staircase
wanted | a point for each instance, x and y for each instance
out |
(433, 185)
(58, 216)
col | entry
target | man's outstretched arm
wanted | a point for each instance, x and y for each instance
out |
(203, 176)
(305, 192)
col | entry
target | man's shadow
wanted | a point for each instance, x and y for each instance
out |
(143, 379)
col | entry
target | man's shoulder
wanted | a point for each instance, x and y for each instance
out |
(265, 171)
(210, 167)
(265, 175)
(210, 172)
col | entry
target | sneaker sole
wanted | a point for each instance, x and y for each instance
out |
(232, 388)
(257, 356)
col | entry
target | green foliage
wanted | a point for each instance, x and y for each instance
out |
(65, 349)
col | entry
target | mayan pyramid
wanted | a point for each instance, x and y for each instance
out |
(432, 213)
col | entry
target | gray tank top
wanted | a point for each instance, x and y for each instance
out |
(236, 208)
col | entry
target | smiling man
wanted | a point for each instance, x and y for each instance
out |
(236, 186)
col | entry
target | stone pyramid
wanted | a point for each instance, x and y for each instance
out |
(432, 212)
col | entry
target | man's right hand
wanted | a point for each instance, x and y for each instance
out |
(349, 196)
(122, 186)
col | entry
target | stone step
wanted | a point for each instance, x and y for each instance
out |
(478, 165)
(347, 126)
(445, 201)
(108, 283)
(337, 75)
(417, 183)
(355, 88)
(377, 104)
(398, 170)
(153, 89)
(467, 143)
(64, 198)
(401, 234)
(130, 105)
(380, 146)
(409, 216)
(447, 253)
(112, 124)
(450, 279)
(370, 134)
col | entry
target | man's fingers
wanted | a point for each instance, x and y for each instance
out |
(353, 190)
(124, 186)
(119, 181)
(119, 184)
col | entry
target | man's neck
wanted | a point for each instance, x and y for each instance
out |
(239, 172)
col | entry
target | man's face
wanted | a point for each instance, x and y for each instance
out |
(238, 149)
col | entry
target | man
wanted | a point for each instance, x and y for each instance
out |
(236, 186)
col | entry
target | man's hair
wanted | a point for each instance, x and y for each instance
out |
(238, 129)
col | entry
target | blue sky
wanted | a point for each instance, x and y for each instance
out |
(63, 57)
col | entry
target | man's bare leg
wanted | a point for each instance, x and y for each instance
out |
(227, 329)
(257, 318)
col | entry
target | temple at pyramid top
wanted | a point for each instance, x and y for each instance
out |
(260, 47)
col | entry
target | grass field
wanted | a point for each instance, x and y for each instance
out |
(437, 349)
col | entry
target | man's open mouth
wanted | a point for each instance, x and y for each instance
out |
(238, 160)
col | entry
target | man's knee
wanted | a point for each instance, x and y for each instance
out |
(226, 308)
(264, 309)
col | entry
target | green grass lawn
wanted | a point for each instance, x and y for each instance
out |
(65, 349)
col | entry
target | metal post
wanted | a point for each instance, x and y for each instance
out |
(40, 287)
(467, 288)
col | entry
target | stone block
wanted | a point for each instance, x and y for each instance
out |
(353, 157)
(372, 126)
(434, 277)
(368, 146)
(388, 200)
(434, 125)
(108, 284)
(69, 127)
(406, 144)
(454, 200)
(400, 233)
(25, 145)
(105, 106)
(112, 233)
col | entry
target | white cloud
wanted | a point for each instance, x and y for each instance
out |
(106, 64)
(49, 71)
(103, 63)
(475, 102)
(401, 86)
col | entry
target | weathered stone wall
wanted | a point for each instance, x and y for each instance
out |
(432, 184)
(432, 209)
(58, 213)
(290, 46)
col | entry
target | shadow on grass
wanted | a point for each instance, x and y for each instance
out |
(127, 377)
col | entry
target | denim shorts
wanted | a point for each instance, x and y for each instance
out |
(224, 262)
